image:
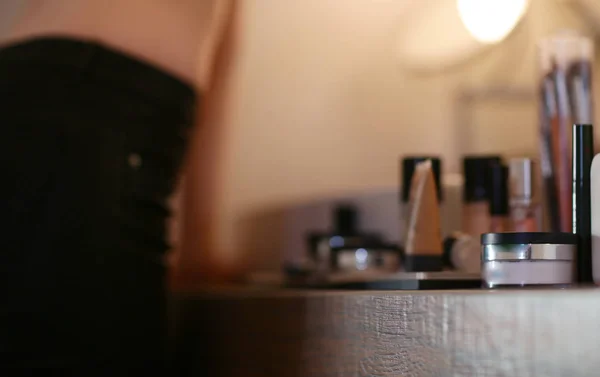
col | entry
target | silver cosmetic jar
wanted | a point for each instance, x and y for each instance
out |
(527, 259)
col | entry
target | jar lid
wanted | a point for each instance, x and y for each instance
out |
(531, 252)
(512, 238)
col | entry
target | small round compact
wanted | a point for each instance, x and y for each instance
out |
(374, 257)
(527, 259)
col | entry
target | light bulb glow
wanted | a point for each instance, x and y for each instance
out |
(490, 21)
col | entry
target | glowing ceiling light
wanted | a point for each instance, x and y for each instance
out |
(439, 34)
(490, 21)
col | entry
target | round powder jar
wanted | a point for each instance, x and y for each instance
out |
(527, 259)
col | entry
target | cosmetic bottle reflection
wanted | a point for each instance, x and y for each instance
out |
(476, 213)
(499, 199)
(524, 208)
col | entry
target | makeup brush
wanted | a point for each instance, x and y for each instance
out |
(579, 91)
(560, 150)
(549, 120)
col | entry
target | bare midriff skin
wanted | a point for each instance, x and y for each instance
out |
(179, 36)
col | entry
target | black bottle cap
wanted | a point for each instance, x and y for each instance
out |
(498, 176)
(409, 164)
(476, 173)
(345, 218)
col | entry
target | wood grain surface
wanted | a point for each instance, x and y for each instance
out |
(484, 333)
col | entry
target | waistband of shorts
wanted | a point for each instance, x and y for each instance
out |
(93, 58)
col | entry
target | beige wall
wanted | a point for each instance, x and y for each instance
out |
(318, 105)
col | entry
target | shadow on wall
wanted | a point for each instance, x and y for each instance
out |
(271, 237)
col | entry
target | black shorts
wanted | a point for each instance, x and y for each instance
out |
(90, 144)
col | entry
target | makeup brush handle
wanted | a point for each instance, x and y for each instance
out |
(583, 152)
